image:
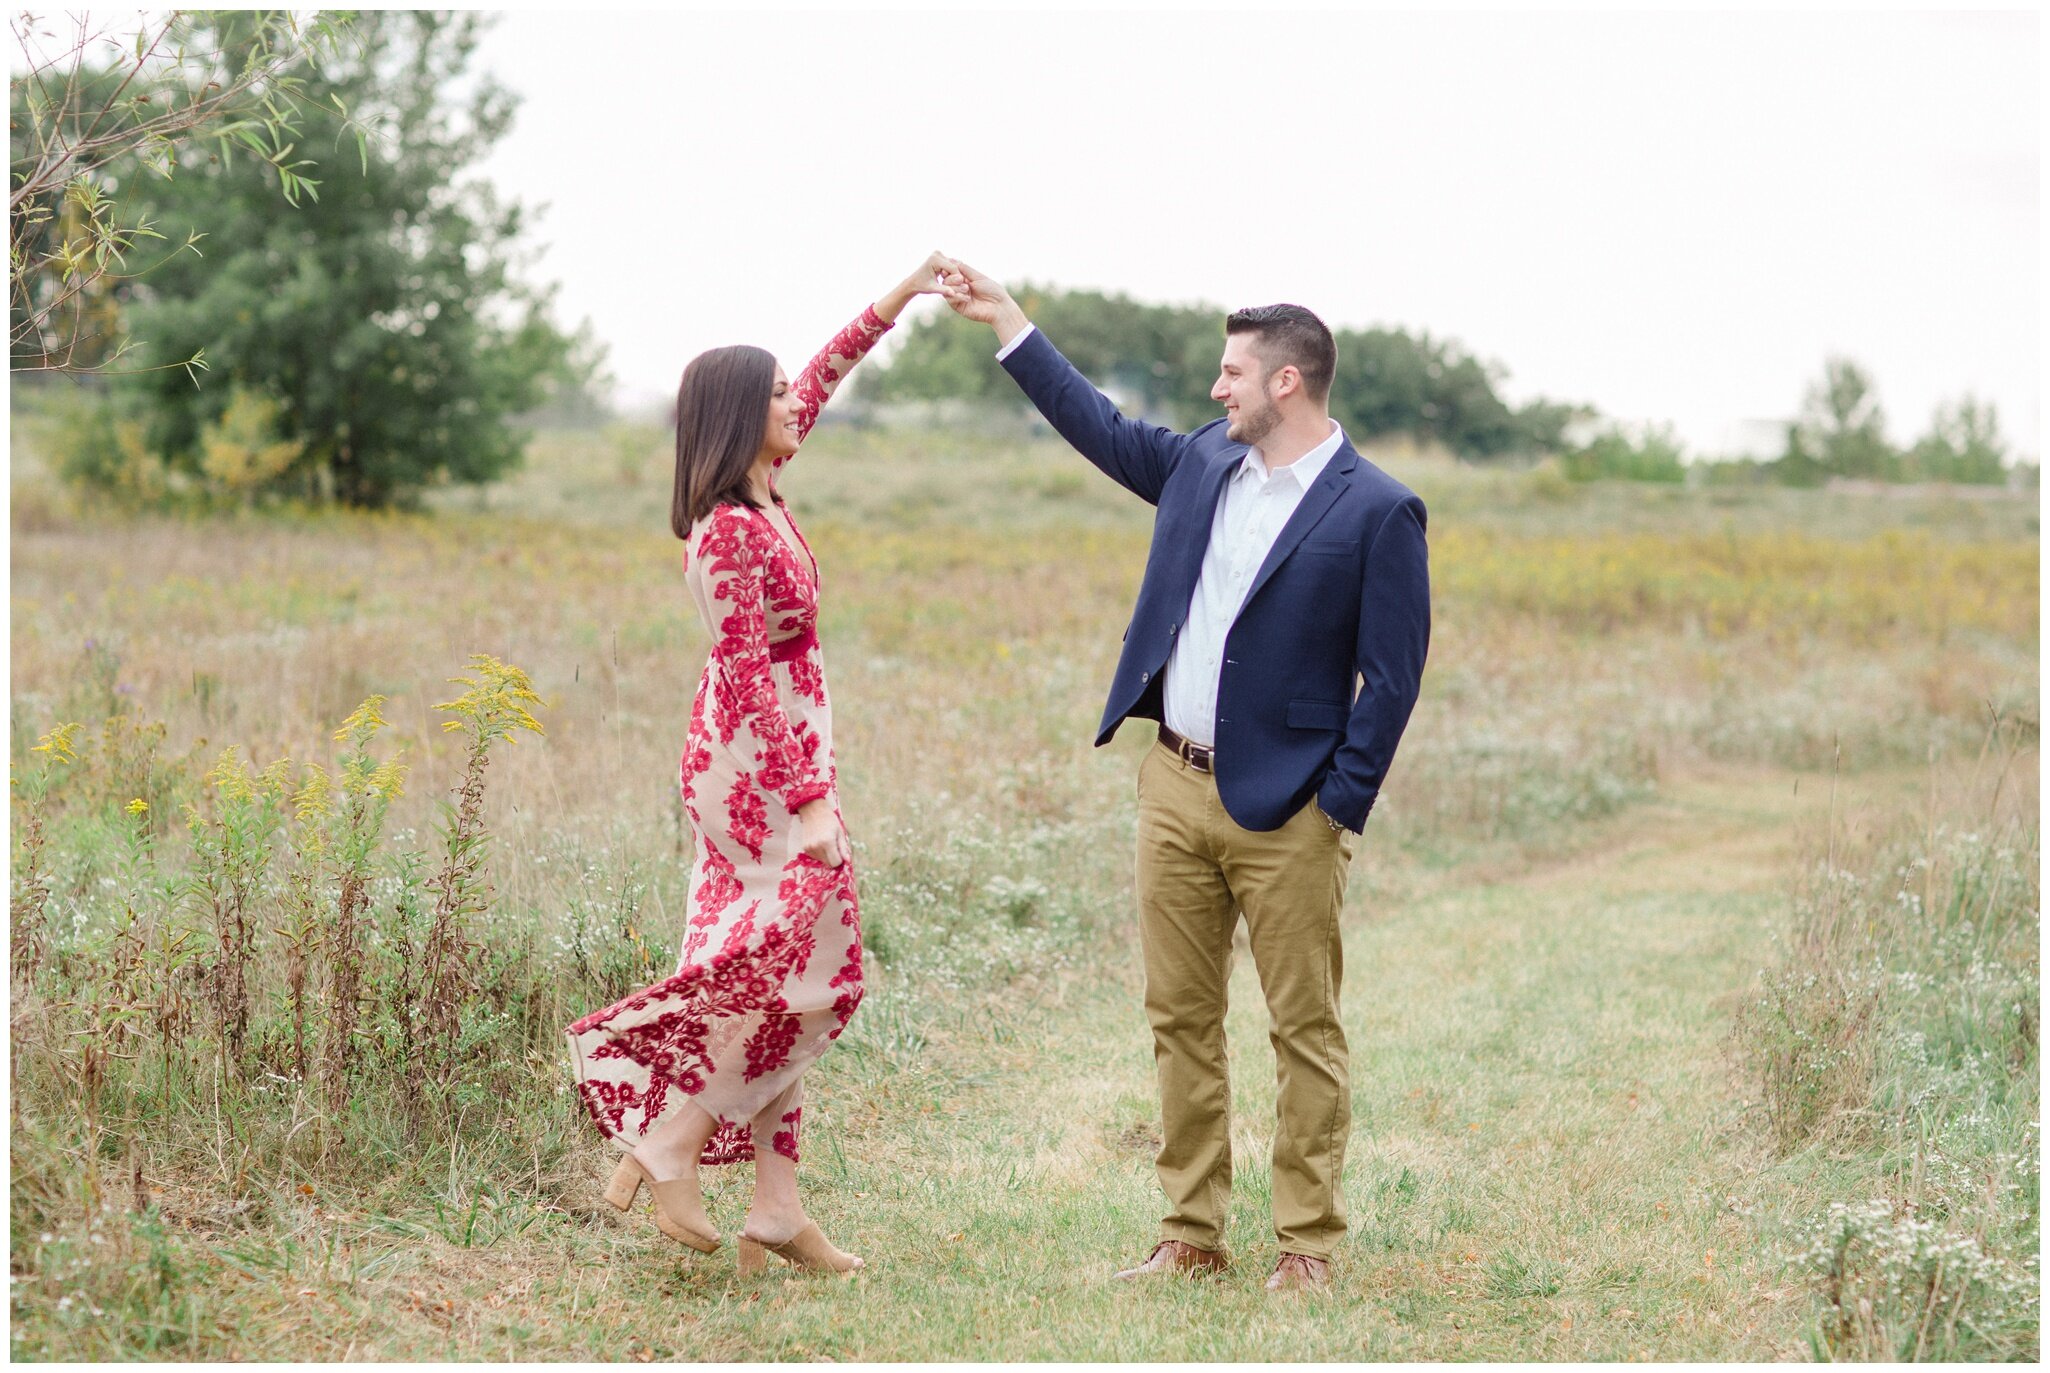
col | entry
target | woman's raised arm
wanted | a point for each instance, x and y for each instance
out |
(824, 373)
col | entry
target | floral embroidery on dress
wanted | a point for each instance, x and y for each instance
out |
(785, 1142)
(769, 1048)
(750, 816)
(770, 969)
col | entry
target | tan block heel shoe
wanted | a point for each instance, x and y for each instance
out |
(679, 1205)
(807, 1249)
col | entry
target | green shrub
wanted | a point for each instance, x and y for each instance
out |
(1612, 455)
(93, 445)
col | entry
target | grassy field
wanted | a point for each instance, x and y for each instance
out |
(1642, 1027)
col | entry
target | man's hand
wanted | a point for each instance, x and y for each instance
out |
(983, 299)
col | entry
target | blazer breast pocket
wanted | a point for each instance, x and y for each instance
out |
(1317, 715)
(1331, 548)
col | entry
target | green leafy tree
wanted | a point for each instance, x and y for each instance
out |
(1841, 431)
(1543, 424)
(382, 323)
(1798, 464)
(1164, 355)
(1963, 445)
(1390, 382)
(95, 111)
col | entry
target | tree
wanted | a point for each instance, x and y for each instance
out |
(382, 323)
(1543, 424)
(1963, 445)
(91, 115)
(1797, 464)
(1390, 382)
(1841, 431)
(1165, 358)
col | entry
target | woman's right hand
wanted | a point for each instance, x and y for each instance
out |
(928, 280)
(819, 836)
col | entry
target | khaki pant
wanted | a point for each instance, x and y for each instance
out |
(1197, 870)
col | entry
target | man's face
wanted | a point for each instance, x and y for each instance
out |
(1243, 391)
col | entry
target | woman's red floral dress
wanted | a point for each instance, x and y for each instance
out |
(771, 962)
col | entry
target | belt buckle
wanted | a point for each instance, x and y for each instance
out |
(1200, 758)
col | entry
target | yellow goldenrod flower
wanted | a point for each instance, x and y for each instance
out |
(315, 797)
(57, 743)
(229, 776)
(388, 781)
(496, 703)
(277, 777)
(365, 721)
(137, 807)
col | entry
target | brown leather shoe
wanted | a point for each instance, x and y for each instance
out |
(1173, 1256)
(1300, 1273)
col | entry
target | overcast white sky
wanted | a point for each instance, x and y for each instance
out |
(1674, 217)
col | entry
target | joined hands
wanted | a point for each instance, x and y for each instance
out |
(928, 280)
(972, 295)
(969, 293)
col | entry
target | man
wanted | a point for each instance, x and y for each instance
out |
(1284, 569)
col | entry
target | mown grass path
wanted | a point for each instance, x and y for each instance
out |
(1547, 1136)
(1550, 1161)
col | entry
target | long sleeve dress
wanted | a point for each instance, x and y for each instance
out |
(771, 965)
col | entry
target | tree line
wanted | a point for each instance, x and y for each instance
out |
(1163, 359)
(1842, 433)
(256, 236)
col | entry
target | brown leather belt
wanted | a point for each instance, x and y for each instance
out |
(1201, 757)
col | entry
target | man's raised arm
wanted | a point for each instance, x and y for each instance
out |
(1136, 456)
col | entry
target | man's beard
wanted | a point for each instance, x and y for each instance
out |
(1249, 429)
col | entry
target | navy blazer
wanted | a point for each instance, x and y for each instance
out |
(1323, 664)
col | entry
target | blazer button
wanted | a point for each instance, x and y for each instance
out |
(1145, 676)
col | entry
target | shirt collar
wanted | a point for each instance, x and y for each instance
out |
(1305, 469)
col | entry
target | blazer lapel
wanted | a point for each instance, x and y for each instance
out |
(1318, 499)
(1223, 465)
(1209, 490)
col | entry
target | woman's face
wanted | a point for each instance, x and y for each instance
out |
(779, 440)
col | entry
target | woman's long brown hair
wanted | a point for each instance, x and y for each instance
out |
(722, 412)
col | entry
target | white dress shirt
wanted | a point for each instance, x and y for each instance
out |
(1016, 339)
(1256, 503)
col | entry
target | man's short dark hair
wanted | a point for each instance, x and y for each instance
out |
(1290, 336)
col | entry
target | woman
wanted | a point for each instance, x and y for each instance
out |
(708, 1066)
